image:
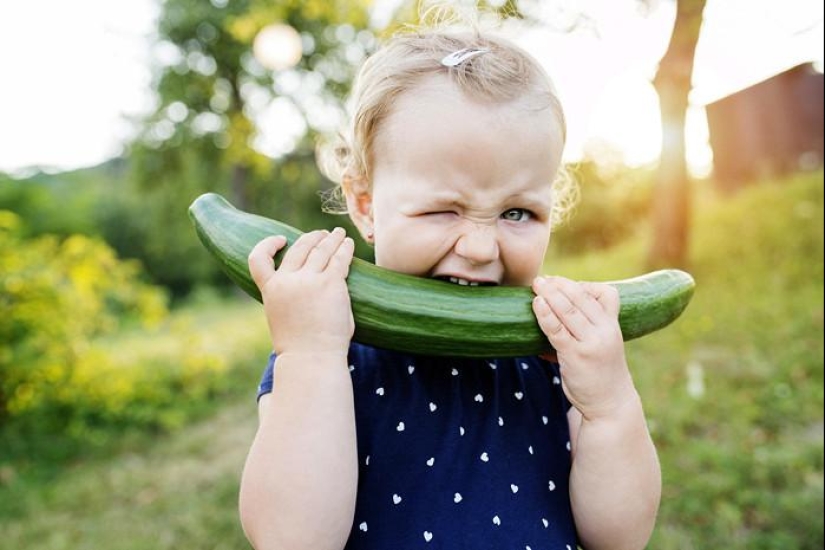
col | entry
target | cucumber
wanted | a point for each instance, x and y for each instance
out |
(426, 316)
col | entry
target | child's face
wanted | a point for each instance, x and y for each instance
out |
(462, 189)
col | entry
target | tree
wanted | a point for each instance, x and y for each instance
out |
(670, 214)
(202, 134)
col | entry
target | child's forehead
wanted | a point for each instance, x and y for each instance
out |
(437, 92)
(436, 132)
(445, 107)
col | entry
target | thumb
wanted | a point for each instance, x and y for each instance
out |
(260, 262)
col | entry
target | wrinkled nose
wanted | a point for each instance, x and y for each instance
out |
(478, 244)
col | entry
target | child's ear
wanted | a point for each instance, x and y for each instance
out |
(358, 194)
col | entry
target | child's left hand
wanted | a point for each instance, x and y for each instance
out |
(581, 322)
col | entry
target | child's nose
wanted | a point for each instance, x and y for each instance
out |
(478, 243)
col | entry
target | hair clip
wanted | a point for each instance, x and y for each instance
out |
(457, 58)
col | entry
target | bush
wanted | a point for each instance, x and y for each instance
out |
(57, 294)
(612, 206)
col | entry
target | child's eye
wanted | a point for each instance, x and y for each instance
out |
(516, 215)
(440, 213)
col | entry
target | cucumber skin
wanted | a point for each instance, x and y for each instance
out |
(425, 316)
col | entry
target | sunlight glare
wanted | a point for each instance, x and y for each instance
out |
(626, 119)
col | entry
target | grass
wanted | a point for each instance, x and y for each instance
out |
(173, 488)
(176, 492)
(733, 391)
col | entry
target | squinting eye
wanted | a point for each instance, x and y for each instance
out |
(516, 215)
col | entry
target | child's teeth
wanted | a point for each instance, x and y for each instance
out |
(463, 282)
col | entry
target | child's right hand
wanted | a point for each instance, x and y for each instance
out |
(306, 300)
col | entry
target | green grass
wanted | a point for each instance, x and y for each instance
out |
(733, 391)
(173, 493)
(167, 488)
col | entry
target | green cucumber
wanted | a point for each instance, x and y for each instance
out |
(425, 316)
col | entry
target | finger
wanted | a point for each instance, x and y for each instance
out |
(580, 298)
(321, 254)
(260, 262)
(341, 260)
(549, 322)
(575, 308)
(567, 313)
(297, 254)
(606, 295)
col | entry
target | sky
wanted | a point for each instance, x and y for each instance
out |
(75, 73)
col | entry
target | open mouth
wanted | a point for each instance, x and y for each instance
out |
(464, 282)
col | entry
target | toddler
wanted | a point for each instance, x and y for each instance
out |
(449, 169)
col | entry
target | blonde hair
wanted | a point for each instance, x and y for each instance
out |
(504, 72)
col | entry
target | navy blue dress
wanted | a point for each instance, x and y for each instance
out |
(458, 453)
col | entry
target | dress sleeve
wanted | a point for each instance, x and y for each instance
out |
(266, 379)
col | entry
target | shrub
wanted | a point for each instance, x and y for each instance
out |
(56, 294)
(612, 206)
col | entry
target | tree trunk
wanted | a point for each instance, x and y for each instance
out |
(671, 196)
(240, 176)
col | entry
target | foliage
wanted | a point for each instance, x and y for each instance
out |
(613, 204)
(204, 133)
(61, 204)
(56, 295)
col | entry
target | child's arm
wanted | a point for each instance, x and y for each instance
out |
(299, 482)
(615, 481)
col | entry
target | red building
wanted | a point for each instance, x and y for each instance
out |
(772, 128)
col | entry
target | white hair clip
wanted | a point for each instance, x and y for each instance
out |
(457, 58)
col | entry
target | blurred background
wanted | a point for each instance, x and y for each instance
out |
(128, 361)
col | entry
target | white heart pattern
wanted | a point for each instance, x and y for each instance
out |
(400, 427)
(380, 391)
(519, 395)
(496, 520)
(514, 488)
(363, 526)
(396, 499)
(431, 461)
(433, 407)
(479, 398)
(428, 536)
(484, 457)
(457, 498)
